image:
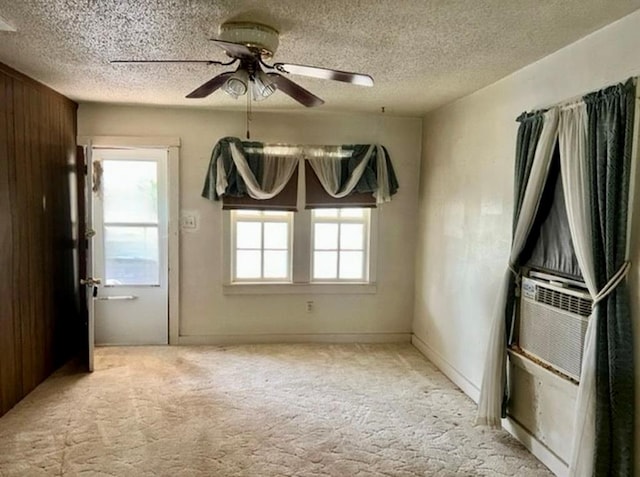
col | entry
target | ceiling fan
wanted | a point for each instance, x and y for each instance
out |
(250, 44)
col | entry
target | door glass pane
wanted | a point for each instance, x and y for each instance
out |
(276, 235)
(351, 236)
(325, 265)
(275, 264)
(325, 236)
(248, 264)
(130, 191)
(351, 265)
(131, 255)
(248, 235)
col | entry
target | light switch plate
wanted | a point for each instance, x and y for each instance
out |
(189, 220)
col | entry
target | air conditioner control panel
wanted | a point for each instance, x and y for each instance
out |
(528, 288)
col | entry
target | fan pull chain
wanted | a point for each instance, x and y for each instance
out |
(249, 115)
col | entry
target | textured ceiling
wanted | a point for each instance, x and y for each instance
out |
(422, 53)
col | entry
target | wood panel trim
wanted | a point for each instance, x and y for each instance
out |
(17, 75)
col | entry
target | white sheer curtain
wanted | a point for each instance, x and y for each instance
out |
(575, 182)
(493, 380)
(575, 178)
(328, 169)
(277, 171)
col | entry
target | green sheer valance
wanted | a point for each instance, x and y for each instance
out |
(261, 171)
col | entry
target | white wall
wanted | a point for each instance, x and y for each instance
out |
(465, 202)
(206, 314)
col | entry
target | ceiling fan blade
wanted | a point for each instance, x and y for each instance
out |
(235, 50)
(296, 91)
(210, 86)
(136, 62)
(325, 73)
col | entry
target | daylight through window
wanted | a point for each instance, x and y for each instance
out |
(340, 241)
(261, 245)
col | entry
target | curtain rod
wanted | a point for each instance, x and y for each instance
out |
(578, 98)
(333, 150)
(309, 146)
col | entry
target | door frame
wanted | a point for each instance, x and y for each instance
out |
(172, 145)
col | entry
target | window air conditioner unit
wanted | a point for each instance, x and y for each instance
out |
(554, 313)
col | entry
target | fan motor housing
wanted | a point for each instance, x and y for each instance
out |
(254, 35)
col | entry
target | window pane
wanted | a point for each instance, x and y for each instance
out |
(351, 265)
(275, 264)
(248, 235)
(130, 191)
(131, 255)
(248, 264)
(325, 236)
(351, 236)
(276, 235)
(325, 212)
(275, 213)
(246, 212)
(325, 265)
(351, 212)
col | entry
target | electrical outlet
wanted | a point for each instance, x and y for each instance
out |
(310, 307)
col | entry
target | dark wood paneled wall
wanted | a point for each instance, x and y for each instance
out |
(39, 323)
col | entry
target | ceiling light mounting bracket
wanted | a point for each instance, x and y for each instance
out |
(256, 36)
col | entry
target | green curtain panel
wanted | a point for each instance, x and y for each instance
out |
(236, 185)
(610, 139)
(526, 143)
(369, 181)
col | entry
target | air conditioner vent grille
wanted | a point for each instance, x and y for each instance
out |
(562, 301)
(553, 324)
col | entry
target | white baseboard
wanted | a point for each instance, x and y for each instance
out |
(537, 448)
(449, 371)
(296, 338)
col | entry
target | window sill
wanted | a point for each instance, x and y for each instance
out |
(300, 289)
(543, 374)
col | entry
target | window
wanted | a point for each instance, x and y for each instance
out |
(130, 220)
(261, 246)
(340, 242)
(333, 246)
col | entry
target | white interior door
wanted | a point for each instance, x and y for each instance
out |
(131, 246)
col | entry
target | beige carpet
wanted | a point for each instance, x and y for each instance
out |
(260, 410)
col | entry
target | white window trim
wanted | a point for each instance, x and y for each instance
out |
(366, 246)
(160, 157)
(301, 256)
(301, 262)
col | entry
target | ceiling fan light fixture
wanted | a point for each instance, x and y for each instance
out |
(237, 84)
(262, 86)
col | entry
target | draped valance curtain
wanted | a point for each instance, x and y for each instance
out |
(596, 138)
(254, 173)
